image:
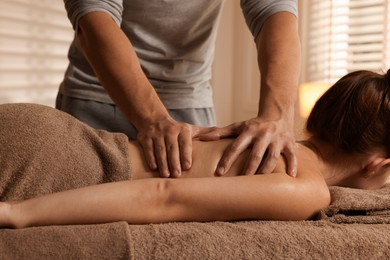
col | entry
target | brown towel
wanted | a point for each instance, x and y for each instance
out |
(44, 150)
(358, 206)
(260, 240)
(215, 240)
(106, 241)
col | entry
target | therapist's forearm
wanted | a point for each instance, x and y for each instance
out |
(117, 66)
(279, 62)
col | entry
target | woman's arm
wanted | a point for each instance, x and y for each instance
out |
(270, 196)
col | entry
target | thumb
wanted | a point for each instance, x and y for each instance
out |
(205, 132)
(216, 133)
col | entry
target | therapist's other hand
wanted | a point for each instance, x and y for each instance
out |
(167, 145)
(267, 140)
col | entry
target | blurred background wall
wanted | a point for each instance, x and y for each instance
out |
(34, 39)
(337, 36)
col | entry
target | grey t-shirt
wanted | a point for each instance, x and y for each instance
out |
(174, 41)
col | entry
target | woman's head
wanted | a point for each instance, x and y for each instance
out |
(354, 114)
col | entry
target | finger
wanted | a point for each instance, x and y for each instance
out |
(231, 154)
(269, 162)
(147, 146)
(255, 157)
(173, 155)
(161, 157)
(185, 146)
(217, 133)
(292, 162)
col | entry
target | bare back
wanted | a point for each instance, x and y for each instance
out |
(205, 159)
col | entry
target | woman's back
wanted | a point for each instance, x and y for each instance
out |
(206, 156)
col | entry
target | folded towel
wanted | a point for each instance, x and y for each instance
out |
(104, 241)
(358, 206)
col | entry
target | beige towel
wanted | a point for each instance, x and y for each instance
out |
(106, 241)
(260, 240)
(215, 240)
(358, 206)
(43, 150)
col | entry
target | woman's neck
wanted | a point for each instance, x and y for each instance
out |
(337, 167)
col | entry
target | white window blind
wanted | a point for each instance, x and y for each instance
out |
(34, 39)
(347, 35)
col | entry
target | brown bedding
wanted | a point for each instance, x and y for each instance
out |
(218, 240)
(358, 206)
(355, 226)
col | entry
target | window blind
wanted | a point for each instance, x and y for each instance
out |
(34, 39)
(347, 35)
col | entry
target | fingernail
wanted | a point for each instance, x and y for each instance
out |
(293, 173)
(165, 174)
(177, 173)
(186, 165)
(220, 170)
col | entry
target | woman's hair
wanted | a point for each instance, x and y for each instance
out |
(354, 114)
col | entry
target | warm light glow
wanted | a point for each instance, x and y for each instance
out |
(308, 94)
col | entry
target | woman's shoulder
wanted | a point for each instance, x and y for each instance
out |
(307, 161)
(308, 170)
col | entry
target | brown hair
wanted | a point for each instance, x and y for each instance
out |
(354, 114)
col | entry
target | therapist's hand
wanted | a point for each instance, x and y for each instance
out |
(267, 140)
(167, 146)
